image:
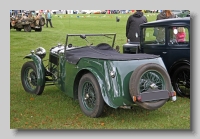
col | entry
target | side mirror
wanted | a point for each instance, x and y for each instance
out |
(83, 36)
(175, 31)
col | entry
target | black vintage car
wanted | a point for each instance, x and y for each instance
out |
(169, 38)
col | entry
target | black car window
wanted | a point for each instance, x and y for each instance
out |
(154, 35)
(179, 38)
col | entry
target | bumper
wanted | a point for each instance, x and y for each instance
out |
(155, 95)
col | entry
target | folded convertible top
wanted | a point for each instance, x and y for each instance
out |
(102, 51)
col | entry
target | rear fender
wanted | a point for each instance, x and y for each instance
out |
(39, 67)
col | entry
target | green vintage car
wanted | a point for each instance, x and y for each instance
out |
(96, 74)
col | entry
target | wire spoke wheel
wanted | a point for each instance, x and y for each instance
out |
(89, 95)
(150, 78)
(29, 79)
(27, 28)
(147, 78)
(181, 81)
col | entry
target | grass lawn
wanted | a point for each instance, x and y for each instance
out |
(55, 110)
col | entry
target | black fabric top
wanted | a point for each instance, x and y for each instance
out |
(102, 51)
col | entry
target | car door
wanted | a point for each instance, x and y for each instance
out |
(178, 44)
(154, 42)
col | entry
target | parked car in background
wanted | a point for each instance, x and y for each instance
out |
(90, 12)
(103, 11)
(96, 11)
(56, 12)
(27, 22)
(85, 11)
(95, 74)
(27, 12)
(162, 38)
(181, 13)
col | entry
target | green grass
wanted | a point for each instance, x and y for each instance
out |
(54, 110)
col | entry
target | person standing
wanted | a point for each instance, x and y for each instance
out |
(180, 36)
(133, 26)
(160, 32)
(10, 13)
(165, 14)
(15, 12)
(48, 19)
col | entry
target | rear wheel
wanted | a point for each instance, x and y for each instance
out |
(29, 79)
(181, 81)
(89, 96)
(143, 78)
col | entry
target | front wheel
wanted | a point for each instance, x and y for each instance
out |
(89, 96)
(29, 79)
(181, 81)
(27, 28)
(143, 78)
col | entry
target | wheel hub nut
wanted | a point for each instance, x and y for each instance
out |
(86, 96)
(153, 86)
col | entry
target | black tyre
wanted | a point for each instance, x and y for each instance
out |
(89, 96)
(42, 21)
(146, 75)
(181, 81)
(27, 28)
(29, 79)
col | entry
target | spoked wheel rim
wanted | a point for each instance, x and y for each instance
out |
(30, 79)
(182, 82)
(151, 80)
(27, 28)
(148, 78)
(88, 96)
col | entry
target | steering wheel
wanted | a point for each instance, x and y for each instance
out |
(173, 41)
(157, 42)
(160, 42)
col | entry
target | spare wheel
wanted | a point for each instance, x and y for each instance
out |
(143, 78)
(42, 21)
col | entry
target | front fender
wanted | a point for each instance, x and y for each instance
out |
(39, 68)
(102, 84)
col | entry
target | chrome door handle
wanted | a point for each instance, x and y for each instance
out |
(164, 52)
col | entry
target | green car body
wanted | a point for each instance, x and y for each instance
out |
(115, 91)
(113, 77)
